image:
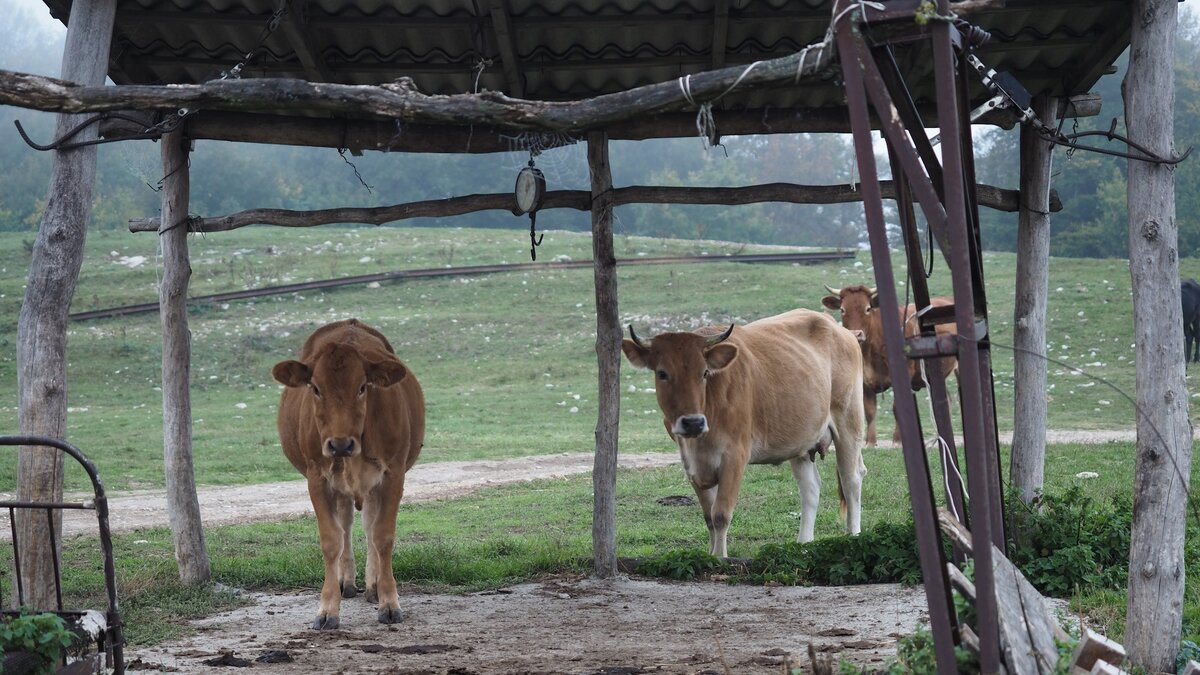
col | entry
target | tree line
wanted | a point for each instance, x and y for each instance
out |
(229, 177)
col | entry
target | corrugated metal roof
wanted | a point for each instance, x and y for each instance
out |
(568, 50)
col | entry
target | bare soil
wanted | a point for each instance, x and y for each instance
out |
(559, 625)
(554, 625)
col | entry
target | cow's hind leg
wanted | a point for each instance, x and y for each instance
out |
(347, 569)
(869, 409)
(379, 519)
(809, 482)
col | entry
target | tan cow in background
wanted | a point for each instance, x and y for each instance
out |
(352, 420)
(860, 314)
(778, 389)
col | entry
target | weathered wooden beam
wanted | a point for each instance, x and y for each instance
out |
(300, 39)
(399, 100)
(720, 37)
(183, 507)
(997, 198)
(608, 355)
(506, 45)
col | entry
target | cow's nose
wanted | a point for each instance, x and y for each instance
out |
(341, 447)
(693, 425)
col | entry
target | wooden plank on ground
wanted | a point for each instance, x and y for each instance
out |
(1095, 647)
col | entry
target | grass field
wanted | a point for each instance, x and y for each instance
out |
(507, 362)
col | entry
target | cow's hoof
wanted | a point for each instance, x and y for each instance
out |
(326, 622)
(348, 590)
(372, 595)
(393, 615)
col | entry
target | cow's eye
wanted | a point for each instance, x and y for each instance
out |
(707, 373)
(662, 374)
(868, 310)
(316, 392)
(362, 390)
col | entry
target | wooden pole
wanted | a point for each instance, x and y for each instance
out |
(608, 354)
(1164, 439)
(42, 325)
(1026, 470)
(183, 507)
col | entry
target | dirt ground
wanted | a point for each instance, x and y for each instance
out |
(558, 625)
(555, 625)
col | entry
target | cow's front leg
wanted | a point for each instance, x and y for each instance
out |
(379, 520)
(706, 496)
(722, 509)
(809, 482)
(329, 528)
(347, 569)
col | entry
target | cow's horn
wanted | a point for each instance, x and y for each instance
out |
(720, 338)
(832, 291)
(633, 336)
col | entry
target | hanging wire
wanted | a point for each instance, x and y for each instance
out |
(1191, 501)
(342, 154)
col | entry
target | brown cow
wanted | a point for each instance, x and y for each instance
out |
(858, 305)
(778, 389)
(352, 420)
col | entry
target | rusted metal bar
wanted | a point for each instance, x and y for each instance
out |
(54, 559)
(937, 587)
(934, 376)
(12, 521)
(944, 38)
(114, 633)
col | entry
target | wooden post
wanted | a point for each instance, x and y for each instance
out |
(1164, 438)
(42, 325)
(1026, 470)
(183, 507)
(608, 354)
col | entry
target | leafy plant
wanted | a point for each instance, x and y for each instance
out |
(1188, 651)
(1064, 541)
(44, 635)
(686, 564)
(915, 654)
(884, 553)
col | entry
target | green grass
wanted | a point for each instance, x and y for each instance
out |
(497, 355)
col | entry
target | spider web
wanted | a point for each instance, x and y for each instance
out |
(561, 157)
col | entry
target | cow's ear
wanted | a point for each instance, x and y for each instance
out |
(291, 374)
(386, 373)
(637, 354)
(832, 302)
(875, 298)
(720, 355)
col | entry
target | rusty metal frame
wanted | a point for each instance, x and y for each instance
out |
(112, 641)
(944, 189)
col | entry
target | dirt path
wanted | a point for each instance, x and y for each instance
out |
(289, 499)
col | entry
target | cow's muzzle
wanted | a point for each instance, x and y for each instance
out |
(690, 426)
(341, 447)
